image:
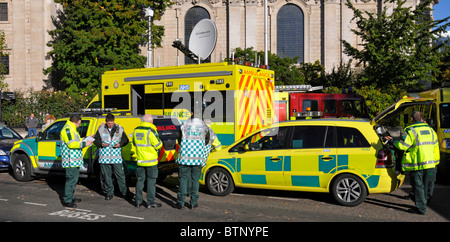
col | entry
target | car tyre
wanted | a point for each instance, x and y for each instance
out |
(21, 168)
(349, 190)
(219, 182)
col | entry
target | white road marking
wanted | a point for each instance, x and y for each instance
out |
(37, 204)
(83, 210)
(284, 198)
(126, 216)
(4, 200)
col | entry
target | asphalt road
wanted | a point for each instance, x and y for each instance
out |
(39, 201)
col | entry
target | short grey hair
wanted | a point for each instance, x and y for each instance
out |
(417, 116)
(148, 118)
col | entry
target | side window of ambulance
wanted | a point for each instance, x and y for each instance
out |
(53, 132)
(306, 137)
(350, 137)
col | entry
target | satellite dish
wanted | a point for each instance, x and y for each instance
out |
(203, 38)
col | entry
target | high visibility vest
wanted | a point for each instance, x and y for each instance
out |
(193, 142)
(213, 144)
(147, 143)
(71, 146)
(109, 154)
(420, 143)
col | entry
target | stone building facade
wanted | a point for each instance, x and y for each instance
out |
(26, 24)
(310, 29)
(240, 23)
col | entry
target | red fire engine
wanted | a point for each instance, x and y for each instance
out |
(294, 102)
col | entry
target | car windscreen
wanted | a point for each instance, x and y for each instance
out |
(7, 133)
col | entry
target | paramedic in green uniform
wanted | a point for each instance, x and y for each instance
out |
(72, 158)
(110, 137)
(214, 144)
(147, 143)
(420, 143)
(193, 138)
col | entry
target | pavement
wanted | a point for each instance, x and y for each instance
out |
(24, 133)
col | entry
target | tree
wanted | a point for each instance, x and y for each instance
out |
(287, 70)
(444, 68)
(92, 37)
(396, 48)
(3, 52)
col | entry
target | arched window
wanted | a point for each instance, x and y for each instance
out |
(290, 32)
(193, 16)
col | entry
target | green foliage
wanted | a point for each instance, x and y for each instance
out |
(396, 47)
(3, 52)
(41, 103)
(92, 37)
(378, 99)
(444, 67)
(287, 71)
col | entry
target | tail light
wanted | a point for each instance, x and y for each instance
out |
(385, 159)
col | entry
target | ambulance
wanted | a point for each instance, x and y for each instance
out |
(348, 158)
(41, 155)
(238, 99)
(439, 119)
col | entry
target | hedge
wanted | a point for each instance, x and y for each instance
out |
(41, 103)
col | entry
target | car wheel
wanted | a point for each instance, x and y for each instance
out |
(349, 190)
(21, 168)
(219, 182)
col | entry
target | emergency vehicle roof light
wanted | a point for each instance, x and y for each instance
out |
(308, 114)
(298, 88)
(93, 112)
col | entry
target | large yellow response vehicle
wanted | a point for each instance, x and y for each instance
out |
(439, 119)
(238, 99)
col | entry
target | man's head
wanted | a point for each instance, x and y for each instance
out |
(32, 115)
(416, 116)
(110, 120)
(76, 119)
(148, 118)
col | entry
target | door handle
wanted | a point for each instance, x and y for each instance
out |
(275, 158)
(326, 158)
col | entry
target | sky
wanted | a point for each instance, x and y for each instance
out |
(441, 11)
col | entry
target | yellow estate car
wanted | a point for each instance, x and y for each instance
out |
(348, 158)
(341, 156)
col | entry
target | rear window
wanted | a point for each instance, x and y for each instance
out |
(167, 131)
(167, 127)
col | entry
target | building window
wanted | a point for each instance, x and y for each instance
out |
(4, 64)
(3, 11)
(193, 16)
(290, 32)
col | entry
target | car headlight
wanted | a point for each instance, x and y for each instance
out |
(2, 152)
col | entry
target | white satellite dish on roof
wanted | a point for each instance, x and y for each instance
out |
(203, 38)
